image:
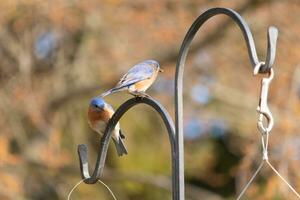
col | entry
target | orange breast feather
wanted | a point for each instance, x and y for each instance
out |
(95, 117)
(145, 84)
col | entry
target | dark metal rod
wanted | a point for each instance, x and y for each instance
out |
(82, 149)
(271, 50)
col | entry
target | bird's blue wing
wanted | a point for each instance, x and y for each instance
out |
(137, 73)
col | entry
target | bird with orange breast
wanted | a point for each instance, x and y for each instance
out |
(99, 114)
(138, 79)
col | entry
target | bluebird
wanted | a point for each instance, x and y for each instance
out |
(99, 114)
(138, 79)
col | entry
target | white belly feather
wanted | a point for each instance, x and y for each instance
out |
(100, 126)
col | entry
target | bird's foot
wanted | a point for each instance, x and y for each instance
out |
(140, 94)
(143, 95)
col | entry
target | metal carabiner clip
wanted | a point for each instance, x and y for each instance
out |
(263, 108)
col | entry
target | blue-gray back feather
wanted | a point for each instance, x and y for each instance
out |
(139, 72)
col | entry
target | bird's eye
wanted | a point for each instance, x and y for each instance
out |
(98, 107)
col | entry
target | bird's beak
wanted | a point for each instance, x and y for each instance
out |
(161, 70)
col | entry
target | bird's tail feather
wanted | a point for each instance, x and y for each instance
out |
(106, 93)
(113, 90)
(120, 147)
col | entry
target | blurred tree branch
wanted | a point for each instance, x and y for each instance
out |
(34, 88)
(215, 35)
(169, 57)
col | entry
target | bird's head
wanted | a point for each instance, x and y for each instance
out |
(155, 64)
(97, 104)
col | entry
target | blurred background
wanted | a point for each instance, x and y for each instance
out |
(56, 55)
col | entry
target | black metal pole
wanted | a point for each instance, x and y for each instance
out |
(271, 50)
(82, 149)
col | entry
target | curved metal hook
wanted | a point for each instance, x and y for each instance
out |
(82, 149)
(271, 50)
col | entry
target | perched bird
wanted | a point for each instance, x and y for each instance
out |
(99, 114)
(138, 79)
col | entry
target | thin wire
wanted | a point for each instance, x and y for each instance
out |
(112, 194)
(273, 168)
(77, 184)
(251, 180)
(283, 179)
(265, 143)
